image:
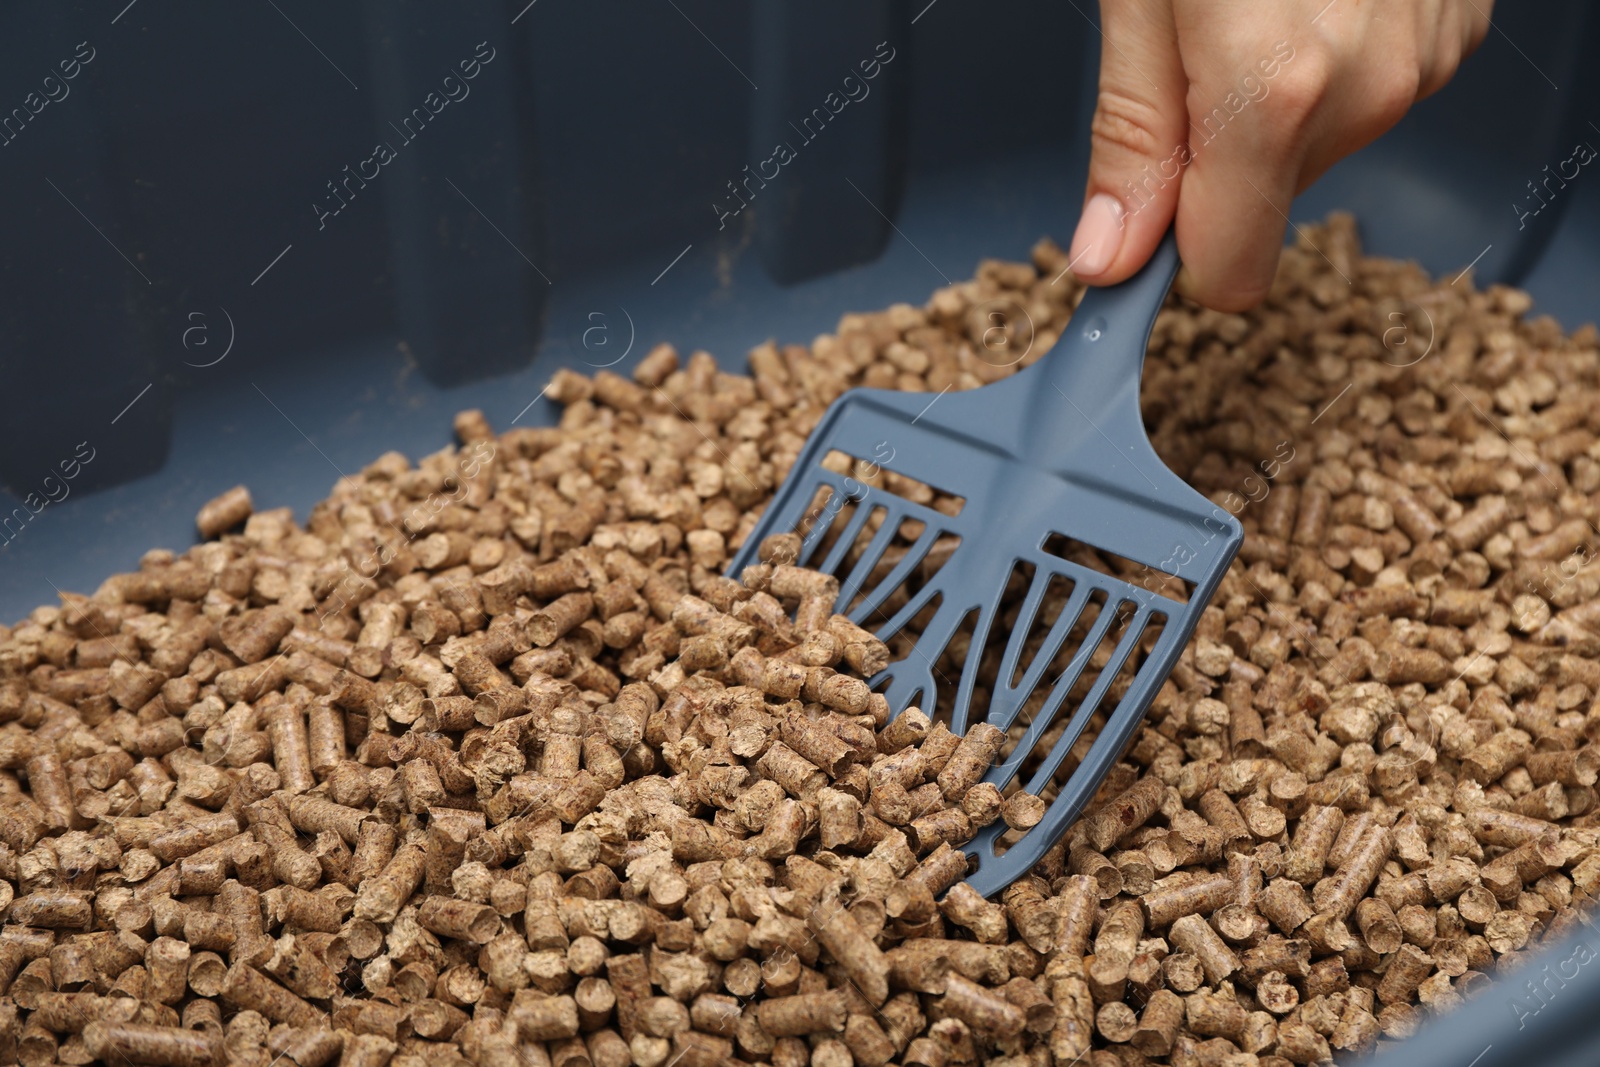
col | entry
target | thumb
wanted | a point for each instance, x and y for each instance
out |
(1138, 142)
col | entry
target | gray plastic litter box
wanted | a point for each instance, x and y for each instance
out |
(266, 241)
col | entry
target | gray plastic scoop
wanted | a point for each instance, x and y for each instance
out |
(1053, 454)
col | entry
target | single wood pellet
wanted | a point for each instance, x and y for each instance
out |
(488, 762)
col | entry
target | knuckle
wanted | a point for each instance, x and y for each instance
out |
(1443, 68)
(1125, 123)
(1302, 88)
(1477, 27)
(1397, 92)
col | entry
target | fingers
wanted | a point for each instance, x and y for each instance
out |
(1373, 74)
(1252, 112)
(1231, 221)
(1459, 29)
(1258, 138)
(1137, 142)
(1213, 115)
(1476, 24)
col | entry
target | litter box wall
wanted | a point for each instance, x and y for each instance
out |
(295, 177)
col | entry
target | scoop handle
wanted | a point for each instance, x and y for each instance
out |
(1133, 304)
(1101, 352)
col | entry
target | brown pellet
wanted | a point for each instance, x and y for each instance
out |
(192, 835)
(313, 814)
(1314, 837)
(1204, 894)
(1407, 970)
(167, 962)
(838, 932)
(1115, 946)
(1379, 927)
(367, 1050)
(986, 1012)
(224, 512)
(1194, 935)
(1285, 904)
(541, 1017)
(207, 973)
(310, 1047)
(802, 1014)
(1158, 1024)
(69, 1013)
(1340, 895)
(1129, 811)
(461, 919)
(970, 761)
(381, 898)
(1075, 909)
(52, 909)
(165, 1046)
(247, 988)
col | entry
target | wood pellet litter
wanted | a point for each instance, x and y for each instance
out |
(487, 763)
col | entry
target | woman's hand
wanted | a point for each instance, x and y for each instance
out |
(1217, 112)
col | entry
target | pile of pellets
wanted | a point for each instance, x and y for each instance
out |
(489, 763)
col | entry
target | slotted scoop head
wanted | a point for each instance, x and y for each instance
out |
(1054, 454)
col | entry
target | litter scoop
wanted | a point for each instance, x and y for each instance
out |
(1055, 455)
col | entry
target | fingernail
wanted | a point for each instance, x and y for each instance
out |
(1098, 237)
